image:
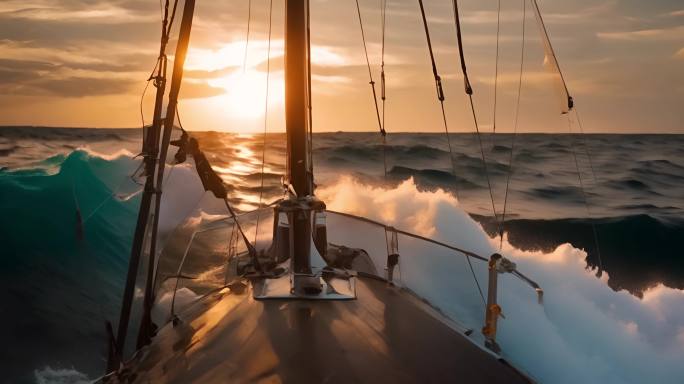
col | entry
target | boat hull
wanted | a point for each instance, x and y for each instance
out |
(385, 335)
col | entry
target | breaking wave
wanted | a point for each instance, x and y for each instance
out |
(67, 224)
(584, 332)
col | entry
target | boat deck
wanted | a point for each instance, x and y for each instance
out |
(385, 336)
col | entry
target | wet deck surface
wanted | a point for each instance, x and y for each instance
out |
(382, 337)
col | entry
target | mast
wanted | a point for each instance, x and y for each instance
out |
(299, 207)
(146, 330)
(150, 150)
(296, 80)
(155, 158)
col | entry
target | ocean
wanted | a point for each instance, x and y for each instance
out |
(598, 217)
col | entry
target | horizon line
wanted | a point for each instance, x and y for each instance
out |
(338, 131)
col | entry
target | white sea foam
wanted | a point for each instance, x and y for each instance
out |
(161, 311)
(109, 156)
(584, 333)
(183, 192)
(49, 375)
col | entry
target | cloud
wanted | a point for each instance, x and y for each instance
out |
(73, 71)
(103, 14)
(657, 34)
(27, 83)
(75, 40)
(196, 90)
(585, 15)
(85, 55)
(680, 54)
(84, 86)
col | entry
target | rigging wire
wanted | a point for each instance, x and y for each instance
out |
(263, 144)
(160, 64)
(383, 93)
(469, 92)
(566, 107)
(440, 97)
(584, 194)
(250, 248)
(370, 72)
(459, 39)
(515, 127)
(551, 60)
(496, 71)
(372, 82)
(484, 160)
(173, 16)
(249, 20)
(142, 117)
(309, 93)
(438, 85)
(142, 96)
(585, 145)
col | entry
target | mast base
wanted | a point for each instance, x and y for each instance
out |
(282, 288)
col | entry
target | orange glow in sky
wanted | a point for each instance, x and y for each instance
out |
(63, 65)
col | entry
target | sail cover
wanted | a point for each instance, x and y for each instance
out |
(551, 63)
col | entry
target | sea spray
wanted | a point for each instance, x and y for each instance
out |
(62, 285)
(585, 332)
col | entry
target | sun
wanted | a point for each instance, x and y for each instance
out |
(245, 95)
(241, 107)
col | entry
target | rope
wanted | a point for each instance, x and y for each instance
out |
(249, 19)
(263, 145)
(250, 247)
(173, 16)
(484, 160)
(438, 85)
(593, 174)
(383, 94)
(142, 96)
(440, 97)
(477, 283)
(585, 145)
(309, 93)
(584, 193)
(160, 64)
(163, 8)
(550, 56)
(496, 70)
(469, 92)
(372, 82)
(515, 127)
(370, 72)
(459, 39)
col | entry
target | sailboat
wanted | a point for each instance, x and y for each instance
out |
(323, 296)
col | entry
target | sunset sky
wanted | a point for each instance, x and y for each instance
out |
(84, 63)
